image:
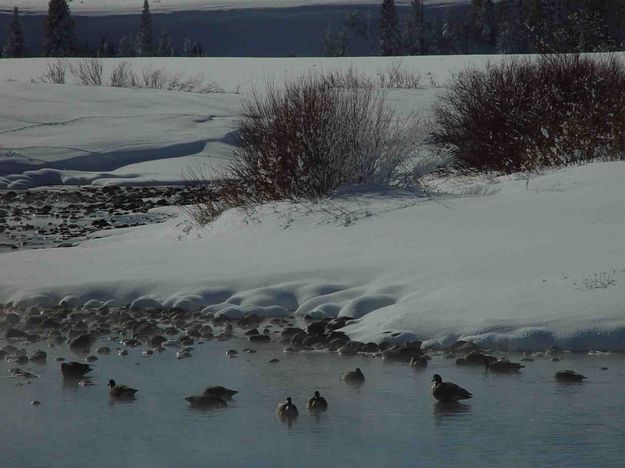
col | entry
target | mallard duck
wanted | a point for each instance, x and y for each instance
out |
(287, 410)
(568, 376)
(448, 392)
(75, 370)
(353, 377)
(503, 367)
(121, 391)
(206, 401)
(219, 391)
(317, 403)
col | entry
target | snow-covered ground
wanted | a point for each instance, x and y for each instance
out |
(494, 260)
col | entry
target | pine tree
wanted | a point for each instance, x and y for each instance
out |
(127, 47)
(340, 48)
(144, 39)
(14, 45)
(59, 35)
(105, 49)
(511, 37)
(416, 37)
(327, 45)
(165, 47)
(489, 25)
(476, 22)
(192, 48)
(390, 38)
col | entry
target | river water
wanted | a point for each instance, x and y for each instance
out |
(391, 420)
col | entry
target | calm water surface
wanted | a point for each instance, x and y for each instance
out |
(392, 420)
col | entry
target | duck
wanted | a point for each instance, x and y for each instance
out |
(568, 376)
(75, 370)
(220, 392)
(121, 391)
(448, 392)
(502, 366)
(287, 410)
(418, 362)
(317, 403)
(353, 377)
(206, 401)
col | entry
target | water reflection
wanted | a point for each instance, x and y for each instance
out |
(444, 411)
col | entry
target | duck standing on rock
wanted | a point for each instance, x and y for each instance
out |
(121, 391)
(287, 410)
(75, 370)
(317, 403)
(354, 377)
(448, 392)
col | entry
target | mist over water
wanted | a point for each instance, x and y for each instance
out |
(391, 420)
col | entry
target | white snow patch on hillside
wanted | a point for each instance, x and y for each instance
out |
(520, 267)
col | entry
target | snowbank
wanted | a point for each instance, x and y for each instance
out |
(516, 267)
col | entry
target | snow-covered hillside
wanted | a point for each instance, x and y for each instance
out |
(524, 264)
(523, 268)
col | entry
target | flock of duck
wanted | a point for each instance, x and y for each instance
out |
(214, 397)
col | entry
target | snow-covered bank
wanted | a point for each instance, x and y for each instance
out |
(522, 268)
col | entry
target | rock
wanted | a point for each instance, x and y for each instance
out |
(260, 338)
(157, 340)
(15, 333)
(39, 356)
(91, 358)
(103, 350)
(81, 343)
(274, 361)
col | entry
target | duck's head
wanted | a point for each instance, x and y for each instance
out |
(288, 400)
(317, 395)
(437, 379)
(358, 370)
(111, 383)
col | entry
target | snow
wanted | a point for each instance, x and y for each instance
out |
(100, 7)
(501, 261)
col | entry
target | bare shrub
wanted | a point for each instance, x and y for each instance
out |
(87, 72)
(122, 76)
(523, 114)
(55, 71)
(397, 76)
(306, 138)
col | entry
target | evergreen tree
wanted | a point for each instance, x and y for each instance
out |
(416, 36)
(165, 47)
(59, 35)
(14, 45)
(105, 49)
(340, 47)
(511, 37)
(127, 47)
(192, 48)
(476, 22)
(390, 38)
(144, 40)
(489, 24)
(327, 45)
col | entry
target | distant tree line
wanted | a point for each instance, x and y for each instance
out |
(508, 26)
(60, 38)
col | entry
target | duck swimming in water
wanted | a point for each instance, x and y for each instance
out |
(569, 376)
(287, 410)
(353, 377)
(206, 401)
(121, 391)
(448, 392)
(317, 403)
(221, 392)
(75, 370)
